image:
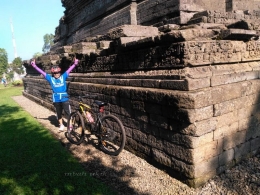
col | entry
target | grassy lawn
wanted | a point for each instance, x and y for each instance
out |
(32, 161)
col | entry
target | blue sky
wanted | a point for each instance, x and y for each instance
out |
(31, 20)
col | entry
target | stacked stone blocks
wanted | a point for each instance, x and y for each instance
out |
(187, 94)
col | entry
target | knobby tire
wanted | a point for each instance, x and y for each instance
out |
(112, 135)
(75, 128)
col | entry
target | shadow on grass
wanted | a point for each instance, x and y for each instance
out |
(7, 110)
(33, 162)
(36, 162)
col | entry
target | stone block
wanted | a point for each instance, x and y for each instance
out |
(226, 157)
(227, 119)
(255, 144)
(189, 34)
(47, 57)
(209, 96)
(237, 34)
(140, 136)
(161, 157)
(141, 116)
(64, 49)
(192, 115)
(151, 83)
(225, 93)
(228, 69)
(182, 168)
(155, 142)
(124, 40)
(159, 121)
(212, 26)
(133, 31)
(202, 140)
(206, 151)
(193, 84)
(190, 6)
(234, 139)
(197, 72)
(168, 27)
(253, 129)
(224, 131)
(84, 47)
(187, 140)
(174, 85)
(242, 150)
(185, 17)
(200, 128)
(235, 104)
(103, 44)
(206, 168)
(232, 78)
(138, 105)
(178, 152)
(245, 122)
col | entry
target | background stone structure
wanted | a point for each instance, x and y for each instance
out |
(183, 79)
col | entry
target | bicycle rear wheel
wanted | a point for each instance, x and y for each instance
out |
(111, 135)
(75, 128)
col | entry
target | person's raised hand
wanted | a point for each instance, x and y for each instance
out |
(76, 61)
(33, 62)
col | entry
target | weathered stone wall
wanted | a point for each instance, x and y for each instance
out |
(246, 5)
(219, 5)
(188, 94)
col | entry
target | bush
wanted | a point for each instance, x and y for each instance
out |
(17, 83)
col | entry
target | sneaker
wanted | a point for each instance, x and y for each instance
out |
(61, 128)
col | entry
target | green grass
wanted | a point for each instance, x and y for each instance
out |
(32, 161)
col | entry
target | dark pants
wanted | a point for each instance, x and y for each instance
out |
(59, 106)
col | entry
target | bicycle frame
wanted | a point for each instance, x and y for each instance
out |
(108, 128)
(84, 107)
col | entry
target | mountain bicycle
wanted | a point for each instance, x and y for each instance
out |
(106, 127)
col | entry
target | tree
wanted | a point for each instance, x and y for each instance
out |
(17, 66)
(3, 62)
(48, 42)
(38, 54)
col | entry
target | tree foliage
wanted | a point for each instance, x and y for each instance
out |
(48, 42)
(17, 66)
(38, 54)
(3, 61)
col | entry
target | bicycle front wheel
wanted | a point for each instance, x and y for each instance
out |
(75, 128)
(111, 134)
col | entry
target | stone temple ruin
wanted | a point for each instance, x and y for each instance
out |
(182, 75)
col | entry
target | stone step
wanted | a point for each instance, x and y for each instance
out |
(84, 47)
(133, 31)
(237, 34)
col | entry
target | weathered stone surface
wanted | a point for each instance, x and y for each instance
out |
(188, 99)
(206, 169)
(226, 157)
(234, 104)
(64, 49)
(242, 150)
(169, 27)
(233, 140)
(133, 31)
(192, 34)
(84, 47)
(238, 34)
